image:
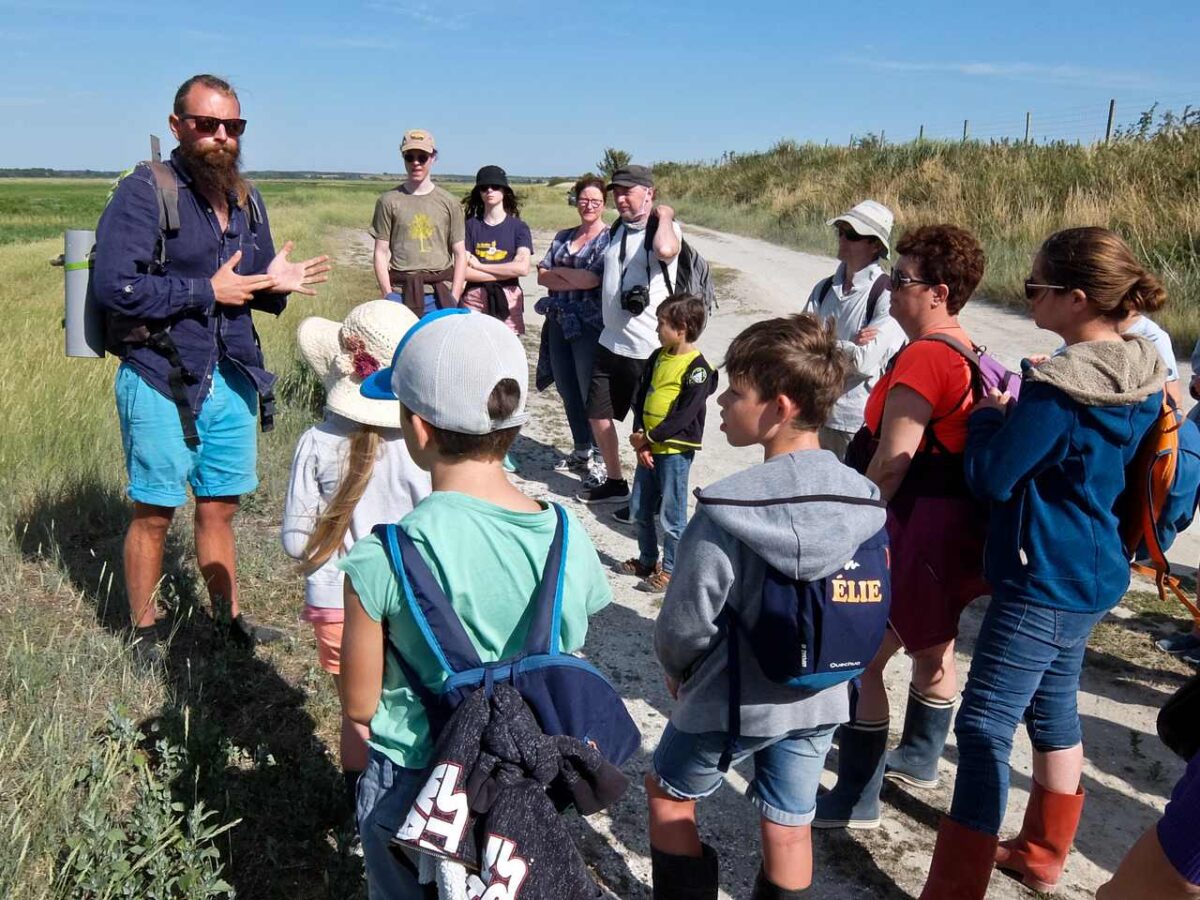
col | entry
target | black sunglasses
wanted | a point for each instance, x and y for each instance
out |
(900, 280)
(210, 124)
(851, 235)
(1033, 288)
(416, 156)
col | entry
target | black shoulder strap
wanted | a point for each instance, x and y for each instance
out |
(826, 286)
(545, 631)
(882, 283)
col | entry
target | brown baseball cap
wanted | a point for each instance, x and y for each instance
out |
(418, 139)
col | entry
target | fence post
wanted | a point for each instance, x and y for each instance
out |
(1027, 127)
(966, 129)
(882, 138)
(921, 133)
(1112, 111)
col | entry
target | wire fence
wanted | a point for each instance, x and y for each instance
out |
(1090, 124)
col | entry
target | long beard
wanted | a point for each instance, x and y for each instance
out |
(216, 170)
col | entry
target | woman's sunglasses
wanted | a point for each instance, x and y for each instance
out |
(210, 124)
(416, 156)
(1033, 288)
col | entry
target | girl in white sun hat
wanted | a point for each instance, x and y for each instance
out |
(349, 472)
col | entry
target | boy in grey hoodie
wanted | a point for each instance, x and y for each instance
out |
(784, 377)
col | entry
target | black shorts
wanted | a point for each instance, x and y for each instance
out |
(614, 381)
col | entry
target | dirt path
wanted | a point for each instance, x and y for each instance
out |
(1128, 773)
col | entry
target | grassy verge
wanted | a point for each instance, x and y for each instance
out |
(222, 774)
(1011, 195)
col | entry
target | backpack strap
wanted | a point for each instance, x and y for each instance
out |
(439, 625)
(545, 631)
(166, 189)
(881, 284)
(160, 342)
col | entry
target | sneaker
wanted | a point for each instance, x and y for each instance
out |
(574, 462)
(508, 463)
(607, 491)
(654, 583)
(1191, 657)
(246, 634)
(636, 567)
(1178, 644)
(624, 515)
(147, 650)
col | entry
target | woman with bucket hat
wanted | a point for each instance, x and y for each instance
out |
(499, 248)
(349, 472)
(857, 299)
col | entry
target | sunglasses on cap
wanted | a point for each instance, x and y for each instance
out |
(1033, 288)
(851, 235)
(416, 156)
(210, 124)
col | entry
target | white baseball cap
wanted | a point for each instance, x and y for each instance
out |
(446, 368)
(872, 219)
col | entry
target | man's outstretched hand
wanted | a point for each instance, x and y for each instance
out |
(295, 277)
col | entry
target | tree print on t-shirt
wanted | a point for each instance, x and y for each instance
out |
(421, 228)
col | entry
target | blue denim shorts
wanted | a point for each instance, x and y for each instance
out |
(161, 466)
(787, 769)
(385, 794)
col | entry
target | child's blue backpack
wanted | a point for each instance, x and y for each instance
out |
(812, 635)
(568, 695)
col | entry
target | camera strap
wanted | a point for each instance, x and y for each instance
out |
(621, 257)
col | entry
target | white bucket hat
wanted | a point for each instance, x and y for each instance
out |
(872, 219)
(345, 353)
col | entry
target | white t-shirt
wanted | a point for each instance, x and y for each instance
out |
(397, 485)
(1153, 332)
(623, 334)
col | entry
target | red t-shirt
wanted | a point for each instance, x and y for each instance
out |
(940, 375)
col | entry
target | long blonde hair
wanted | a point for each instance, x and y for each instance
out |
(332, 525)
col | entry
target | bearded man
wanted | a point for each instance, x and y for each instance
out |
(183, 256)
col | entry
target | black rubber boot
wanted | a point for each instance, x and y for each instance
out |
(926, 724)
(764, 889)
(684, 877)
(854, 800)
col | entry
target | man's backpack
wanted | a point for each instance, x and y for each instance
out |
(568, 695)
(811, 635)
(878, 286)
(692, 273)
(1162, 488)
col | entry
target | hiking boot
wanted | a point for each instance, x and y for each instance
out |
(684, 877)
(654, 583)
(1179, 644)
(636, 567)
(1037, 855)
(961, 866)
(765, 889)
(607, 491)
(247, 634)
(926, 724)
(149, 654)
(854, 800)
(624, 515)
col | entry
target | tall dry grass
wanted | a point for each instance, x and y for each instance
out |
(1011, 195)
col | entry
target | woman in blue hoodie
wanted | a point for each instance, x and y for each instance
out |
(1052, 467)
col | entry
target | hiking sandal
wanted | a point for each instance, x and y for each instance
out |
(636, 567)
(654, 583)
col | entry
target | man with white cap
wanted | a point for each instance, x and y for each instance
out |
(857, 298)
(419, 232)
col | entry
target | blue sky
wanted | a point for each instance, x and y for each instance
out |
(542, 88)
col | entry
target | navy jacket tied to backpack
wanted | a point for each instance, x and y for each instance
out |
(124, 281)
(568, 695)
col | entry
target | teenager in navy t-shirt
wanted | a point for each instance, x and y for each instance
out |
(499, 248)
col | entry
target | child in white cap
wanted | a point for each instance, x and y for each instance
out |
(461, 379)
(349, 472)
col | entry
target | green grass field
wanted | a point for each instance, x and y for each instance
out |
(114, 784)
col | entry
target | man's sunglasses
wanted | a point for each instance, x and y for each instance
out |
(852, 236)
(1033, 288)
(416, 156)
(210, 124)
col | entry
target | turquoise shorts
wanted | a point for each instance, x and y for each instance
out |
(161, 466)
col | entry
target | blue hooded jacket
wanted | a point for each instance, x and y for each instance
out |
(1054, 468)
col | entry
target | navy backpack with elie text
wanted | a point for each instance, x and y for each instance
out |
(568, 695)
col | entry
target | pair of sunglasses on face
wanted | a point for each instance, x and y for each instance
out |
(416, 156)
(210, 124)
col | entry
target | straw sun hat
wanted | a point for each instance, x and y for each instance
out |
(344, 353)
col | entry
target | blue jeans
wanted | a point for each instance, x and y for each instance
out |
(385, 793)
(1026, 663)
(666, 483)
(787, 769)
(571, 364)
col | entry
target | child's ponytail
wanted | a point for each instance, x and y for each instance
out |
(330, 530)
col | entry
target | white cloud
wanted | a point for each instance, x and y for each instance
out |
(1015, 71)
(421, 13)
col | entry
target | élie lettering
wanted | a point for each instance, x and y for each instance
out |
(846, 590)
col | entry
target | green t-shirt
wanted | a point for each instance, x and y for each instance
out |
(420, 228)
(489, 561)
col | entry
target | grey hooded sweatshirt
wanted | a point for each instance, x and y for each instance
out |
(722, 560)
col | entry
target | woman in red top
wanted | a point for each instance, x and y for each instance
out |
(912, 447)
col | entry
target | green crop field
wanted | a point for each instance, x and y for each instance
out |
(115, 784)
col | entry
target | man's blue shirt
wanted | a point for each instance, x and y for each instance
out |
(204, 332)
